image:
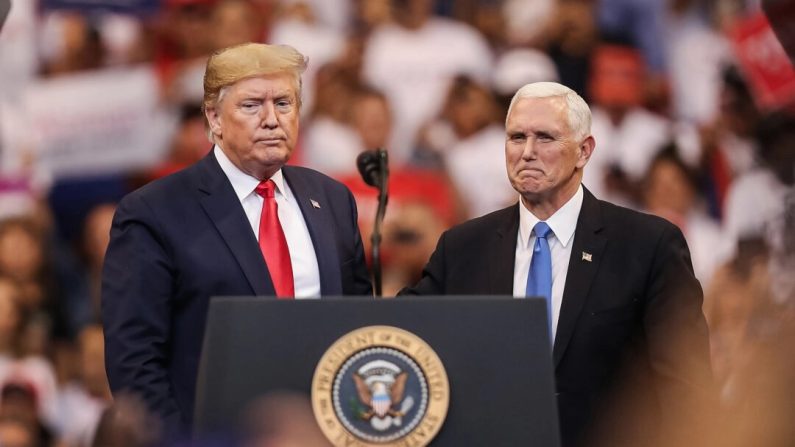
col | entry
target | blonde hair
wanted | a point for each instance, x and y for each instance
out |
(578, 111)
(230, 65)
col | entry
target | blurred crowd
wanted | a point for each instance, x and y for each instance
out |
(679, 132)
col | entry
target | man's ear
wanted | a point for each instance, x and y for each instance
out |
(585, 151)
(213, 120)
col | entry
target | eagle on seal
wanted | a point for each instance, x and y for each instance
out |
(380, 395)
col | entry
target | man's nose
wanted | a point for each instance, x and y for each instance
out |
(529, 150)
(268, 116)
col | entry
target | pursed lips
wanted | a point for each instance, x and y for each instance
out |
(530, 169)
(270, 139)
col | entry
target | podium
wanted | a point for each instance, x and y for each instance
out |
(369, 364)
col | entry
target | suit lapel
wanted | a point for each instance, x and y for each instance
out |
(321, 226)
(586, 255)
(502, 253)
(224, 209)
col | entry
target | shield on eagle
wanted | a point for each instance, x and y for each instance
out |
(380, 386)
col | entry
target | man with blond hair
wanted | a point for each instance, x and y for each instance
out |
(629, 340)
(238, 222)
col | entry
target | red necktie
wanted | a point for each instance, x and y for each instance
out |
(273, 244)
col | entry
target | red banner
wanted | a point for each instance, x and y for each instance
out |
(766, 65)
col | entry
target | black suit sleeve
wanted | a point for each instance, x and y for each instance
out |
(137, 289)
(361, 285)
(433, 274)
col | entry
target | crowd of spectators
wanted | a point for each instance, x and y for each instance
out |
(679, 133)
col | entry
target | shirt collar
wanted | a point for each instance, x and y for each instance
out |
(563, 222)
(242, 183)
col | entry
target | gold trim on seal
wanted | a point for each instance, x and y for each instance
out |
(388, 337)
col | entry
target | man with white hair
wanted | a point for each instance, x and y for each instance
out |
(630, 344)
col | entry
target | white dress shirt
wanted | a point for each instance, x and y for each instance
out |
(306, 275)
(563, 223)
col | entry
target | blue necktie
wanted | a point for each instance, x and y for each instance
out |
(539, 279)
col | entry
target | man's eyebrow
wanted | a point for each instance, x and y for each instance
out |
(251, 94)
(549, 130)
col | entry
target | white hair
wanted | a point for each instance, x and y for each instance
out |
(578, 110)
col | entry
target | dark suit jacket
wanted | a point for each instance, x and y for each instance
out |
(627, 306)
(179, 241)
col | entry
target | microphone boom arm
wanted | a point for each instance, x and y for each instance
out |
(383, 199)
(374, 168)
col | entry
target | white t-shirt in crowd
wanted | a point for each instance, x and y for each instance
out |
(476, 166)
(414, 69)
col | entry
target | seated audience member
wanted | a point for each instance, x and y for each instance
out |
(629, 135)
(329, 142)
(669, 191)
(409, 238)
(182, 43)
(188, 145)
(234, 22)
(20, 400)
(765, 188)
(414, 59)
(82, 402)
(20, 343)
(408, 186)
(472, 112)
(79, 44)
(25, 257)
(728, 145)
(16, 432)
(297, 24)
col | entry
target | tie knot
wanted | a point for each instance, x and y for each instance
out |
(542, 230)
(265, 188)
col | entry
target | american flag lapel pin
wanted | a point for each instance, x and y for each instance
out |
(587, 257)
(314, 203)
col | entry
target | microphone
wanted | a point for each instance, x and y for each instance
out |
(5, 7)
(370, 167)
(375, 172)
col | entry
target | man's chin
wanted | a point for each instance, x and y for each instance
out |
(273, 154)
(276, 160)
(265, 166)
(529, 186)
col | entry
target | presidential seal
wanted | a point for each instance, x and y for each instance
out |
(380, 386)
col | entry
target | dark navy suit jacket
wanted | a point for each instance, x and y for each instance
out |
(630, 320)
(185, 238)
